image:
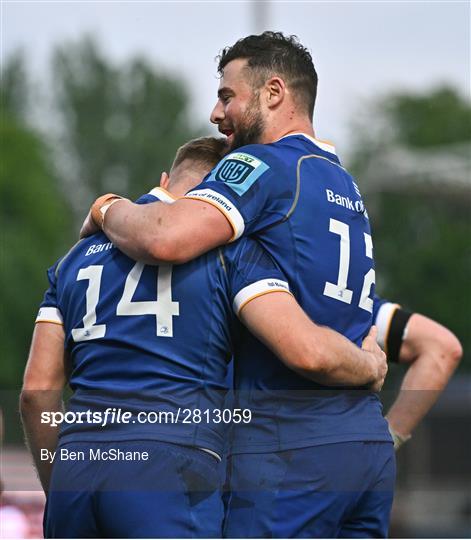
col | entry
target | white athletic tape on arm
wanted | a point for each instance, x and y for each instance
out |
(107, 206)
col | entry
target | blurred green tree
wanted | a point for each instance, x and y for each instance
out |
(413, 164)
(120, 125)
(439, 117)
(35, 222)
(107, 128)
(14, 87)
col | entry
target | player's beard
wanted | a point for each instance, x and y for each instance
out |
(251, 126)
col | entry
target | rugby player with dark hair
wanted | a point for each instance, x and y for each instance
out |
(134, 340)
(317, 460)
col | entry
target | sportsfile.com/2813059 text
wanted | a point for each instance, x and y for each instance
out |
(113, 415)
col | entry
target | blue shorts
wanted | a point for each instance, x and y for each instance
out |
(342, 490)
(175, 493)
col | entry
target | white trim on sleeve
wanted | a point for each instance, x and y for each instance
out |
(224, 205)
(49, 314)
(258, 288)
(383, 322)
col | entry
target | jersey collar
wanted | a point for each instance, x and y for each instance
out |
(162, 194)
(323, 145)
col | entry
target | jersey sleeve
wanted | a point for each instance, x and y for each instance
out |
(156, 194)
(251, 187)
(49, 309)
(391, 321)
(383, 311)
(252, 273)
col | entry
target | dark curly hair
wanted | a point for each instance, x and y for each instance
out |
(272, 53)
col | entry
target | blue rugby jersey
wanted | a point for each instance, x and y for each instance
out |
(295, 197)
(152, 338)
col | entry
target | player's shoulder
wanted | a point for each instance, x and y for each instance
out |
(272, 154)
(231, 252)
(247, 252)
(302, 145)
(253, 157)
(284, 152)
(243, 245)
(243, 168)
(81, 250)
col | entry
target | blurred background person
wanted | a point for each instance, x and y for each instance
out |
(432, 353)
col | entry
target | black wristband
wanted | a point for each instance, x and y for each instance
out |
(398, 324)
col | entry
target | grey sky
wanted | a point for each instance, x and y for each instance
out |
(360, 49)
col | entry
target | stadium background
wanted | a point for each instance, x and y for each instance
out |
(86, 108)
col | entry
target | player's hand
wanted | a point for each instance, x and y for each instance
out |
(379, 361)
(397, 438)
(96, 216)
(89, 227)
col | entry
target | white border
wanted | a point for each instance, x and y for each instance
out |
(257, 289)
(162, 195)
(49, 314)
(224, 205)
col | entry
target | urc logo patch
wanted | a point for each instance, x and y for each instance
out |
(234, 172)
(240, 171)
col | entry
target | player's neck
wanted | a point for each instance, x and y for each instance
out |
(276, 131)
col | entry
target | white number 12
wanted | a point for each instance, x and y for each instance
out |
(339, 290)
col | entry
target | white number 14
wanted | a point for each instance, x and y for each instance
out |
(164, 308)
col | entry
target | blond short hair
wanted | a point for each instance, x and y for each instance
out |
(207, 151)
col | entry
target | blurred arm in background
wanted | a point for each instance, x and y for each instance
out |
(43, 383)
(432, 353)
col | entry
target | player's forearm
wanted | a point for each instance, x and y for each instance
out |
(137, 230)
(40, 437)
(433, 353)
(158, 232)
(422, 385)
(316, 352)
(334, 360)
(43, 382)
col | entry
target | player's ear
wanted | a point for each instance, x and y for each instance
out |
(275, 91)
(164, 180)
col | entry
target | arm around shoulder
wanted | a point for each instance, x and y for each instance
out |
(313, 351)
(170, 233)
